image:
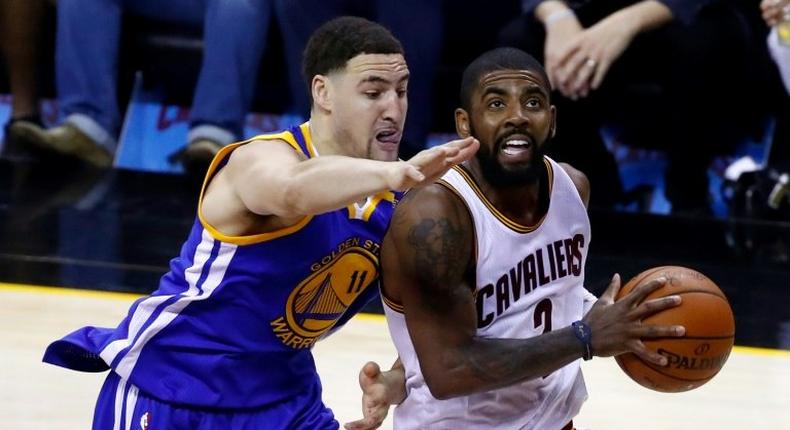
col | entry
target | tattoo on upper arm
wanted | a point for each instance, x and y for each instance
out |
(440, 254)
(439, 246)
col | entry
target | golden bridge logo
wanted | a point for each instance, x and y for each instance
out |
(319, 301)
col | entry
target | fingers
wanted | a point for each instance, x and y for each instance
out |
(774, 11)
(577, 70)
(431, 155)
(553, 66)
(569, 54)
(551, 72)
(771, 17)
(612, 290)
(649, 356)
(414, 173)
(564, 78)
(428, 160)
(434, 162)
(460, 150)
(460, 143)
(600, 73)
(466, 153)
(568, 68)
(638, 294)
(371, 370)
(658, 331)
(584, 74)
(450, 152)
(363, 424)
(654, 306)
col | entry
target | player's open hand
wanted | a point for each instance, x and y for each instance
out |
(430, 164)
(617, 325)
(379, 391)
(436, 161)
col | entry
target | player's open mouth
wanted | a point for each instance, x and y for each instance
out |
(389, 138)
(516, 146)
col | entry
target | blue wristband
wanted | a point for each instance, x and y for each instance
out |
(583, 332)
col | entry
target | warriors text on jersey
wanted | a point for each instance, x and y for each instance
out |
(529, 281)
(232, 323)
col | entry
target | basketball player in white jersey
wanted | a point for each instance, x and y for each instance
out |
(483, 274)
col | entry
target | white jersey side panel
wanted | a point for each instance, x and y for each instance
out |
(529, 281)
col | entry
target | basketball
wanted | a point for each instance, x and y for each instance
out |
(710, 330)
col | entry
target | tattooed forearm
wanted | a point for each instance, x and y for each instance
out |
(495, 365)
(500, 362)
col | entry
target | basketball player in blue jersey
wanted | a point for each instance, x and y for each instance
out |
(284, 249)
(483, 275)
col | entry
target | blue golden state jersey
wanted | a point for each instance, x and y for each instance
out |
(233, 321)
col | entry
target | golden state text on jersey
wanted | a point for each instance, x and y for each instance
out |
(318, 302)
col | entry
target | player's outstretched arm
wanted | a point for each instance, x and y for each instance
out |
(427, 257)
(271, 179)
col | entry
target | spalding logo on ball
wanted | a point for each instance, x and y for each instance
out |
(710, 331)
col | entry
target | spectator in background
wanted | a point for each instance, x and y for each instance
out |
(418, 24)
(234, 33)
(776, 17)
(665, 69)
(20, 28)
(776, 14)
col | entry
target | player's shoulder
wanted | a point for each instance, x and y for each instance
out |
(269, 146)
(434, 198)
(432, 202)
(268, 151)
(579, 180)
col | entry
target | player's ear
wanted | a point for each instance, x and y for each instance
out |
(321, 90)
(462, 123)
(553, 121)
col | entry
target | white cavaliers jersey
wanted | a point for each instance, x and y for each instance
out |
(529, 281)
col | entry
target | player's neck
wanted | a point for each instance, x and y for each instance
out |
(525, 204)
(322, 133)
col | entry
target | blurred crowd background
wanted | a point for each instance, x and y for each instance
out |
(667, 105)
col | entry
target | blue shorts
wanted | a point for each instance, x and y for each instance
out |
(122, 406)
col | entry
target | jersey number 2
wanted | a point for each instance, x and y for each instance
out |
(542, 316)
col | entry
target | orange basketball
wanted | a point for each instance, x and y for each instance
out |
(710, 330)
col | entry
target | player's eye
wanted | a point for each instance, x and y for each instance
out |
(496, 104)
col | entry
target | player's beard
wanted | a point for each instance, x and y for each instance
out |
(517, 175)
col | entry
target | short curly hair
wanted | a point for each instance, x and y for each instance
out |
(341, 39)
(497, 59)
